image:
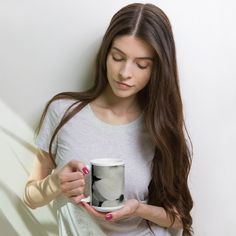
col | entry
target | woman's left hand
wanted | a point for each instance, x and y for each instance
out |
(126, 211)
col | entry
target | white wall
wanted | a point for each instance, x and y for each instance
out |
(48, 46)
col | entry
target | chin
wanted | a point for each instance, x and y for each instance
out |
(122, 94)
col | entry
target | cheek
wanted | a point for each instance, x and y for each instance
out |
(112, 65)
(144, 79)
(110, 68)
(145, 82)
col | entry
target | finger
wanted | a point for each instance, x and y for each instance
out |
(73, 188)
(75, 192)
(77, 165)
(68, 177)
(116, 215)
(68, 186)
(83, 168)
(126, 211)
(92, 211)
(77, 199)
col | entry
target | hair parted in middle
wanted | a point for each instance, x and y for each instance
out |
(160, 100)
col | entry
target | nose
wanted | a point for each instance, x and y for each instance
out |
(125, 71)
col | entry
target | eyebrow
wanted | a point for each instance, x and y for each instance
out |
(146, 58)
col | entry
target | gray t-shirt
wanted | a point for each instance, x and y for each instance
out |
(86, 137)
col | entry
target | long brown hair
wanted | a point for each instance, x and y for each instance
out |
(161, 102)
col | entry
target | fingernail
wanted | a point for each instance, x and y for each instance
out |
(85, 170)
(108, 216)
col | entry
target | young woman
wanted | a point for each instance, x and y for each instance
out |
(133, 112)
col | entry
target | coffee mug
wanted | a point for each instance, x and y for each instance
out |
(107, 177)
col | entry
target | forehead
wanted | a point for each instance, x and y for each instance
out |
(133, 46)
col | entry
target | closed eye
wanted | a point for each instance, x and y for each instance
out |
(142, 67)
(115, 58)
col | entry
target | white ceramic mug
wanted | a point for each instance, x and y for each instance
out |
(107, 178)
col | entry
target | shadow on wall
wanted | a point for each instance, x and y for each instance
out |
(22, 142)
(6, 226)
(30, 221)
(16, 154)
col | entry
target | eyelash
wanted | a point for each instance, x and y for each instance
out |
(139, 66)
(115, 59)
(142, 67)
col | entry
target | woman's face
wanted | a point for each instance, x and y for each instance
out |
(129, 65)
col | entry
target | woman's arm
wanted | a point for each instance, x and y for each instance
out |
(42, 185)
(157, 215)
(133, 207)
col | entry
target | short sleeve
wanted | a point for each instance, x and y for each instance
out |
(51, 121)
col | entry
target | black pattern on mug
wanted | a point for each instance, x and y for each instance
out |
(107, 186)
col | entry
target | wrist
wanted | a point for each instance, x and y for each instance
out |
(54, 182)
(137, 210)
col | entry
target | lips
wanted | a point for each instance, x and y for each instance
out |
(123, 86)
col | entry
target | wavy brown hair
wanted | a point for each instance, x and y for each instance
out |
(160, 101)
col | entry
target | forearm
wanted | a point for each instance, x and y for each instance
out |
(157, 215)
(40, 192)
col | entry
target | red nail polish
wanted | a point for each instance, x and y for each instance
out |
(81, 203)
(108, 216)
(85, 170)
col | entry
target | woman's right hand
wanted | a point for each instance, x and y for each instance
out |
(72, 180)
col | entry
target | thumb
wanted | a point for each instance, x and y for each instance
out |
(116, 215)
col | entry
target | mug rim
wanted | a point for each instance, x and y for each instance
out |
(107, 162)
